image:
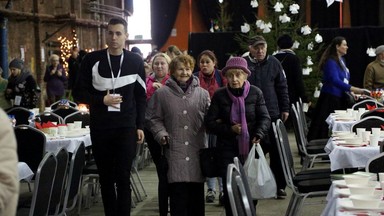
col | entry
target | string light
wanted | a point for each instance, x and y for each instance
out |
(66, 47)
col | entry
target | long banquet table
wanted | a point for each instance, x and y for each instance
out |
(70, 143)
(349, 157)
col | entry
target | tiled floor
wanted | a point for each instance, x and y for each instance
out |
(269, 207)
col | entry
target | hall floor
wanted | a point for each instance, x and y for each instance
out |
(269, 207)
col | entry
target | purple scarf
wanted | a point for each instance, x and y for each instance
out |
(238, 116)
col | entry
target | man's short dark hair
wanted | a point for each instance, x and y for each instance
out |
(119, 20)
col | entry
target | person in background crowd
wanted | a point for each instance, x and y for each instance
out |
(155, 81)
(238, 117)
(4, 103)
(137, 51)
(73, 67)
(112, 82)
(335, 83)
(268, 74)
(374, 73)
(173, 51)
(211, 79)
(292, 68)
(55, 78)
(9, 181)
(148, 69)
(21, 89)
(177, 122)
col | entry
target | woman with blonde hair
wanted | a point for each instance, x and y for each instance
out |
(160, 67)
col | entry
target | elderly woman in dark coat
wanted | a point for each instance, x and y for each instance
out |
(238, 116)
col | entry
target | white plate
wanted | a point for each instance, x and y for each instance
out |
(73, 134)
(340, 183)
(343, 191)
(347, 204)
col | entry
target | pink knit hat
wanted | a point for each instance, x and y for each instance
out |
(236, 63)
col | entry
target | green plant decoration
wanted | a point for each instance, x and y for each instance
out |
(283, 17)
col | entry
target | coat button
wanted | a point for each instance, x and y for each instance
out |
(184, 97)
(186, 143)
(185, 127)
(187, 158)
(185, 112)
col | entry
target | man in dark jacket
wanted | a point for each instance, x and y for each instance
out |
(268, 74)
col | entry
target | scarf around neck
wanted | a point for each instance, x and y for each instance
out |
(238, 116)
(208, 82)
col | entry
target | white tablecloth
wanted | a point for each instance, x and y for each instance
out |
(349, 157)
(25, 173)
(336, 125)
(70, 143)
(333, 207)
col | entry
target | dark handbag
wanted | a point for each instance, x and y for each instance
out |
(209, 162)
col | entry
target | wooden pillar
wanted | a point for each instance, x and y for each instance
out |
(346, 14)
(262, 10)
(308, 12)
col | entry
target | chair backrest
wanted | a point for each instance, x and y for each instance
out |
(78, 116)
(21, 115)
(367, 104)
(298, 129)
(235, 199)
(73, 190)
(50, 116)
(285, 152)
(62, 157)
(30, 145)
(301, 113)
(376, 112)
(244, 198)
(368, 123)
(45, 177)
(64, 111)
(375, 164)
(56, 104)
(240, 167)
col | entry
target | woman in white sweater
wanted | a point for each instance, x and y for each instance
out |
(9, 183)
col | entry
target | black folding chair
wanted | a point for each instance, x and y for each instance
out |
(368, 123)
(238, 199)
(78, 116)
(30, 145)
(73, 189)
(367, 104)
(49, 116)
(62, 157)
(45, 176)
(64, 111)
(21, 115)
(308, 183)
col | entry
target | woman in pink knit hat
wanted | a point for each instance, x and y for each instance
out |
(238, 116)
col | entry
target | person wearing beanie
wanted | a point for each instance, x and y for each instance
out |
(292, 68)
(268, 74)
(238, 116)
(374, 73)
(22, 88)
